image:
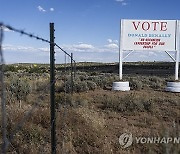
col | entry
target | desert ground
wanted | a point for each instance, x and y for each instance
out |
(91, 119)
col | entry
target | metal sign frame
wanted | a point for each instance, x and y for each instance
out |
(177, 48)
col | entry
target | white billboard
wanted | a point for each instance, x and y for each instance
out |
(157, 35)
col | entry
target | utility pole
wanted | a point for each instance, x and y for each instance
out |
(52, 90)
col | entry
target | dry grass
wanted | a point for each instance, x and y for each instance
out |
(91, 121)
(93, 128)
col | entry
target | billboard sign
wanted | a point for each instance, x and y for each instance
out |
(156, 35)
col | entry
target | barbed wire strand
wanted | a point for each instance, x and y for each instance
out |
(3, 98)
(4, 118)
(22, 32)
(64, 51)
(29, 113)
(19, 126)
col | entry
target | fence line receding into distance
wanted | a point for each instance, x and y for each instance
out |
(7, 138)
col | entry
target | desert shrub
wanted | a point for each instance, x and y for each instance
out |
(100, 80)
(128, 103)
(13, 68)
(19, 88)
(104, 80)
(80, 86)
(93, 78)
(93, 73)
(9, 74)
(115, 77)
(91, 85)
(45, 75)
(63, 99)
(148, 104)
(79, 101)
(42, 85)
(65, 85)
(155, 79)
(170, 79)
(77, 85)
(81, 73)
(34, 68)
(69, 100)
(33, 133)
(82, 76)
(135, 84)
(156, 82)
(59, 86)
(131, 103)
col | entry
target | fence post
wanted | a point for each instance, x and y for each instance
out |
(72, 83)
(74, 69)
(52, 90)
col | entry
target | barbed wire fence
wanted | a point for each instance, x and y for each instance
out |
(8, 138)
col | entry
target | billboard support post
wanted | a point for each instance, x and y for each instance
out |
(120, 63)
(177, 50)
(149, 35)
(120, 53)
(121, 85)
(177, 66)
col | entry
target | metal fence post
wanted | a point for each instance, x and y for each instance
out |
(74, 69)
(72, 83)
(52, 90)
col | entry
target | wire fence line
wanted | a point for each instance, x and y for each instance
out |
(31, 35)
(65, 52)
(6, 142)
(22, 32)
(63, 107)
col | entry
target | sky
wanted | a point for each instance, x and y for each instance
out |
(90, 29)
